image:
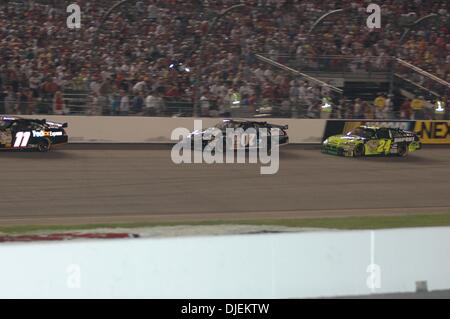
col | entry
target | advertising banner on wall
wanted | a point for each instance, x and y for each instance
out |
(433, 132)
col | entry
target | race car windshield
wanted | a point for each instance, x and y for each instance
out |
(221, 125)
(4, 125)
(362, 132)
(227, 124)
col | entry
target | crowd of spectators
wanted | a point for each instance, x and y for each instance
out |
(134, 66)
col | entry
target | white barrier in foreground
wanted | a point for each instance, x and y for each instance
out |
(310, 264)
(110, 129)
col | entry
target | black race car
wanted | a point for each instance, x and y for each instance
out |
(246, 135)
(18, 134)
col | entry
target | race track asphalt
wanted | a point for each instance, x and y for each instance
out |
(114, 183)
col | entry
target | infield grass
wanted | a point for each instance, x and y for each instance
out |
(343, 223)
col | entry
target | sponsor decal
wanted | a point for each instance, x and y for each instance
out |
(22, 139)
(407, 126)
(433, 132)
(403, 139)
(46, 134)
(372, 146)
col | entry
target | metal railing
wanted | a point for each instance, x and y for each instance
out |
(363, 66)
(302, 108)
(298, 73)
(420, 82)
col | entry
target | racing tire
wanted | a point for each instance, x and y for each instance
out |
(359, 151)
(402, 150)
(43, 146)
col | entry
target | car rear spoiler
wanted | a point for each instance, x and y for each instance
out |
(281, 127)
(62, 125)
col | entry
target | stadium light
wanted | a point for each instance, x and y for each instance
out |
(440, 107)
(414, 25)
(323, 18)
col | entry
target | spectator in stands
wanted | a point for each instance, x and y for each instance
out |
(380, 101)
(339, 111)
(428, 109)
(140, 87)
(348, 109)
(358, 110)
(10, 100)
(151, 107)
(418, 106)
(94, 105)
(34, 83)
(369, 110)
(22, 102)
(405, 110)
(204, 105)
(30, 102)
(138, 103)
(115, 104)
(58, 104)
(2, 101)
(124, 103)
(139, 45)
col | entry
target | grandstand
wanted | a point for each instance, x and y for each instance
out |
(123, 66)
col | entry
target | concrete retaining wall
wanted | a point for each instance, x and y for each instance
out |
(84, 129)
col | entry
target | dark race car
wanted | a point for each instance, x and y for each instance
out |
(247, 135)
(368, 140)
(19, 134)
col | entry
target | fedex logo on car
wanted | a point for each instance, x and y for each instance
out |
(46, 134)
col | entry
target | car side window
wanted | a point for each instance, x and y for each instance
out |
(20, 126)
(383, 133)
(228, 125)
(36, 126)
(369, 134)
(5, 125)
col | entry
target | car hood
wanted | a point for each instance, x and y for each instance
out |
(345, 139)
(206, 134)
